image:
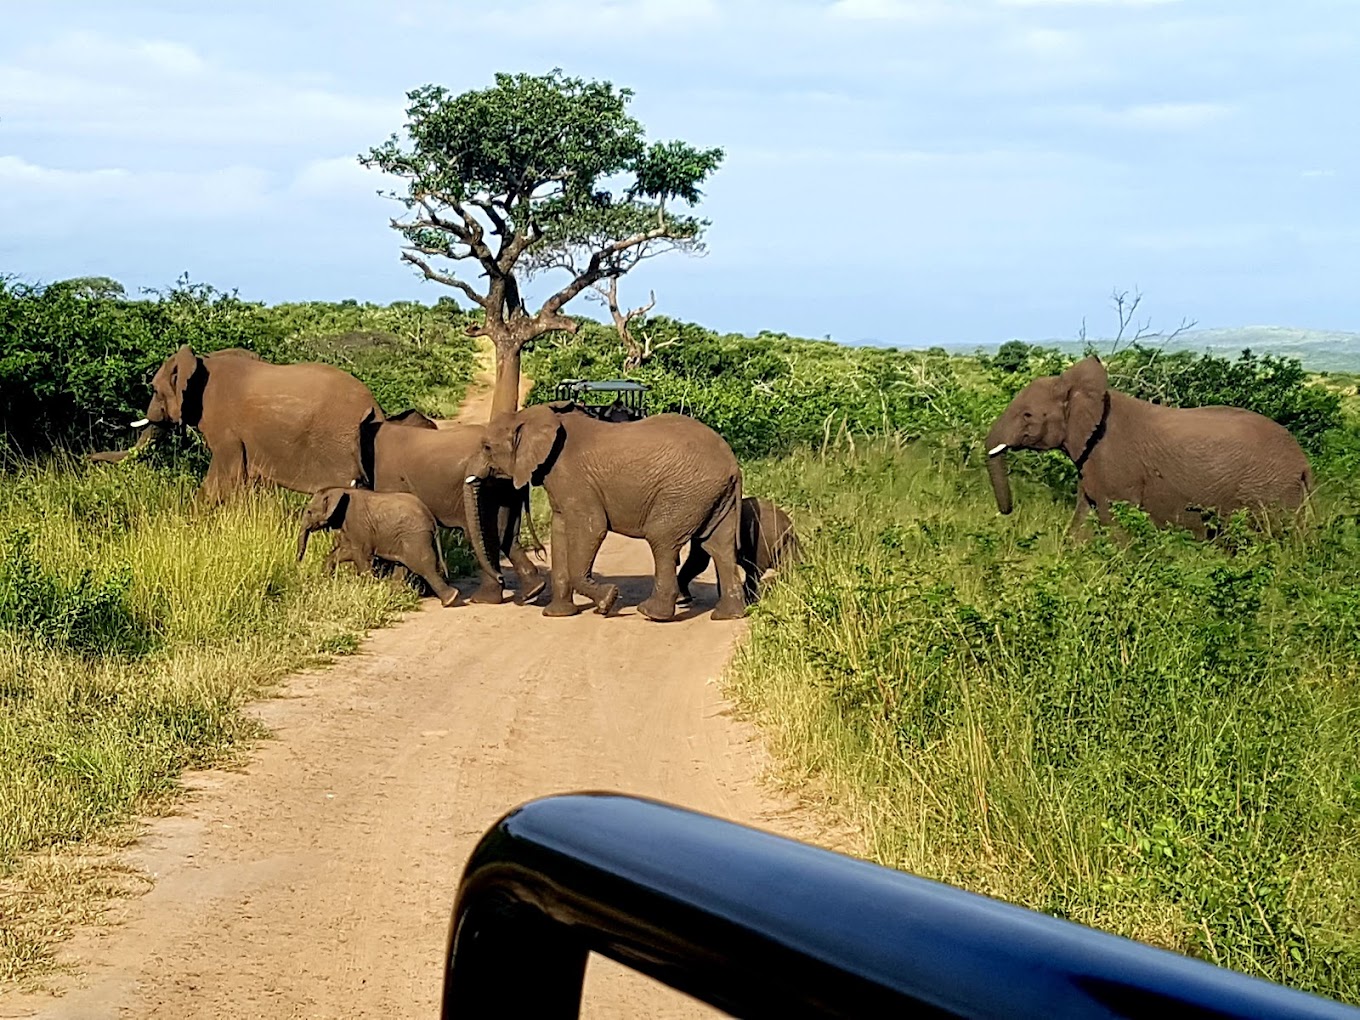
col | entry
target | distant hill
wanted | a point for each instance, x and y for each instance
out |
(1318, 349)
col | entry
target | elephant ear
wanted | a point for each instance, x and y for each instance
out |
(1087, 382)
(183, 373)
(335, 506)
(535, 437)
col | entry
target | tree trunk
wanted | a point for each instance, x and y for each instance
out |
(505, 397)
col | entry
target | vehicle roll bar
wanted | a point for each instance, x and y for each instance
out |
(763, 926)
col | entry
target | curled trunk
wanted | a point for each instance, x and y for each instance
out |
(476, 526)
(996, 468)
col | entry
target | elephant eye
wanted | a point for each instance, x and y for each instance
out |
(1028, 415)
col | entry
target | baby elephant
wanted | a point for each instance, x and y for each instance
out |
(765, 539)
(394, 526)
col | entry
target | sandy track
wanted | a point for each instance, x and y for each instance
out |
(318, 881)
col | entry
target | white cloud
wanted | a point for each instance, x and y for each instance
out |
(1085, 3)
(30, 191)
(574, 19)
(337, 177)
(921, 11)
(92, 86)
(1169, 116)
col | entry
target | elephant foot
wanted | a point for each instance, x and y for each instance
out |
(529, 588)
(657, 609)
(555, 608)
(492, 594)
(607, 603)
(449, 599)
(729, 609)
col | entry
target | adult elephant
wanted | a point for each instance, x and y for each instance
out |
(668, 479)
(408, 453)
(1172, 462)
(296, 426)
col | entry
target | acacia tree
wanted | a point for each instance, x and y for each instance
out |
(538, 173)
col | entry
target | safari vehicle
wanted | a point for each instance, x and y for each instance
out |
(606, 399)
(760, 925)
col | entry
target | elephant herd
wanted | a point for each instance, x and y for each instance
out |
(386, 484)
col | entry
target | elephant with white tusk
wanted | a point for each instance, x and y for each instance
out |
(1172, 462)
(296, 426)
(409, 454)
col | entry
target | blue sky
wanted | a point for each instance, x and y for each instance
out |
(898, 171)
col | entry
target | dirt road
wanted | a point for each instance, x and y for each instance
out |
(318, 881)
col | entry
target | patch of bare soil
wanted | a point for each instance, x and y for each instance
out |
(318, 880)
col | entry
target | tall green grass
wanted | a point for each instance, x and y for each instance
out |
(1151, 736)
(134, 625)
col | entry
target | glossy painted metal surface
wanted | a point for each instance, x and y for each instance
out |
(759, 925)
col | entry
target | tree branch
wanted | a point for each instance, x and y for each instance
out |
(447, 279)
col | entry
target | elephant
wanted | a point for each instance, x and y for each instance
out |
(409, 454)
(667, 479)
(765, 542)
(1171, 462)
(393, 526)
(296, 426)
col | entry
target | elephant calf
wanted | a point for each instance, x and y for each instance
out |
(765, 540)
(393, 526)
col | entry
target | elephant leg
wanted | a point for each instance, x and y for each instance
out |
(722, 546)
(695, 564)
(1079, 530)
(226, 473)
(585, 543)
(751, 571)
(332, 557)
(661, 604)
(420, 557)
(562, 603)
(531, 580)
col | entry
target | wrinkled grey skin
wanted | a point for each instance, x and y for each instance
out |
(409, 454)
(393, 526)
(765, 541)
(667, 479)
(1172, 462)
(296, 426)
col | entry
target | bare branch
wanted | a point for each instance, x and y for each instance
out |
(447, 279)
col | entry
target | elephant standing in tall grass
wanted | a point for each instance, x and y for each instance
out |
(1174, 463)
(296, 426)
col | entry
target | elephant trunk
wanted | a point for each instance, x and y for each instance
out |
(151, 431)
(302, 541)
(476, 526)
(996, 466)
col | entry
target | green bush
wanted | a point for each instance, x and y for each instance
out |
(76, 360)
(1274, 386)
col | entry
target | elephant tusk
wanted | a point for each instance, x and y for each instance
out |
(470, 480)
(140, 422)
(998, 448)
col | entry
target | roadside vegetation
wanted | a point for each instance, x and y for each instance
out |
(1152, 736)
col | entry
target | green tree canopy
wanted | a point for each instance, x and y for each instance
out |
(536, 174)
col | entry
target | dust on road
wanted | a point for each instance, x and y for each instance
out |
(318, 881)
